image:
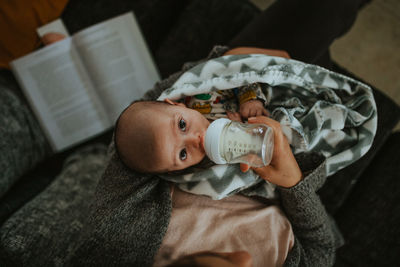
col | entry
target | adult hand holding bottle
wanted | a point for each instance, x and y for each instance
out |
(283, 169)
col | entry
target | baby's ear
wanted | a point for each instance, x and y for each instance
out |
(169, 101)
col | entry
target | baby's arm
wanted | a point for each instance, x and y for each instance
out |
(252, 107)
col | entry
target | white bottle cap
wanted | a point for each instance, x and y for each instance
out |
(211, 141)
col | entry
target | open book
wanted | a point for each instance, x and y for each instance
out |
(78, 87)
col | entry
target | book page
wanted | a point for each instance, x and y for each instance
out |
(118, 62)
(61, 94)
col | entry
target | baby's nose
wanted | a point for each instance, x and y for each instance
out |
(195, 141)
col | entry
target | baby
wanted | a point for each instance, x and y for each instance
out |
(160, 137)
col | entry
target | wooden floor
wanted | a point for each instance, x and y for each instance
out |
(371, 49)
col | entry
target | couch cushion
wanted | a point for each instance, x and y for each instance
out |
(42, 232)
(369, 219)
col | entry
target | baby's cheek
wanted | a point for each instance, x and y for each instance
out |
(198, 155)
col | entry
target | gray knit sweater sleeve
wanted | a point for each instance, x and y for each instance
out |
(316, 235)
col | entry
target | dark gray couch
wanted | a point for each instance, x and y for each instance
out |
(45, 198)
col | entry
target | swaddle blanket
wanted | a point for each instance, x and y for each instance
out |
(319, 111)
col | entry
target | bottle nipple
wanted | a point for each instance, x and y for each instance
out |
(212, 140)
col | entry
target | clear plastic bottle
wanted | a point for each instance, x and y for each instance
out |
(229, 141)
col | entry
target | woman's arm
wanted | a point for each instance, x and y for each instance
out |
(255, 50)
(316, 240)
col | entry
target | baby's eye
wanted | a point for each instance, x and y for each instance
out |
(182, 125)
(183, 154)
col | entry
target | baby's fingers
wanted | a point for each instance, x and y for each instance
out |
(233, 116)
(244, 112)
(253, 112)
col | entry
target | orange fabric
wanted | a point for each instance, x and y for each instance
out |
(18, 22)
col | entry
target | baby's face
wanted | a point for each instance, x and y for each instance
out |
(179, 140)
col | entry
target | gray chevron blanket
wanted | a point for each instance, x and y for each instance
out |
(319, 110)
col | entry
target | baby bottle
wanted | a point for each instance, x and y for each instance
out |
(229, 141)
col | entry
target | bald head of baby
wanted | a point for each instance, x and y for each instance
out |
(156, 137)
(135, 136)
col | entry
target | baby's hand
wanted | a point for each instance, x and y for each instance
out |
(234, 116)
(252, 108)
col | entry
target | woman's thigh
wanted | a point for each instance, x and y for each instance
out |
(22, 141)
(303, 28)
